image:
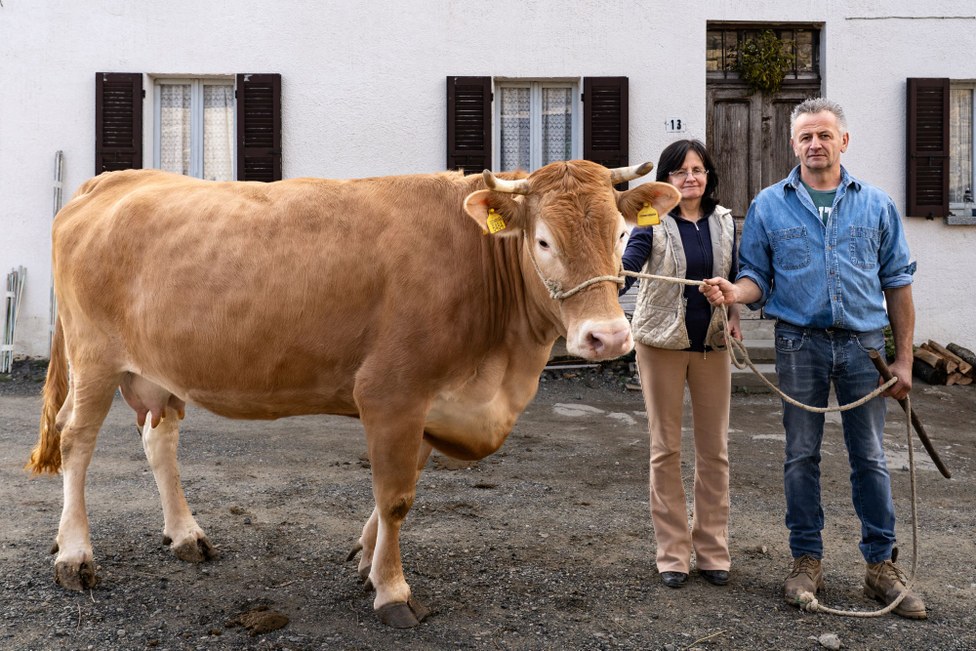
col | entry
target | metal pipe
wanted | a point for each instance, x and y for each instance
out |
(58, 198)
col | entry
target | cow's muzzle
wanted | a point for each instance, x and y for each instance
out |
(601, 340)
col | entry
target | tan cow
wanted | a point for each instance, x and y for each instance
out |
(384, 299)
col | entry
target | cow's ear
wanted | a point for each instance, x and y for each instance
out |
(662, 197)
(497, 213)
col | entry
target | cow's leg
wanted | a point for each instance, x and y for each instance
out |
(180, 530)
(91, 398)
(366, 544)
(394, 436)
(367, 541)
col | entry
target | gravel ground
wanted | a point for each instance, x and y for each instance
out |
(544, 545)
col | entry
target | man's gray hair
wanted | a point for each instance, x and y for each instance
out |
(816, 105)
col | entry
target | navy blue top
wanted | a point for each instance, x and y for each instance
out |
(696, 240)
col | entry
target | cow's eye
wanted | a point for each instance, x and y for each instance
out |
(623, 235)
(543, 245)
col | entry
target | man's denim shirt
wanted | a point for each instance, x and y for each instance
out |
(825, 276)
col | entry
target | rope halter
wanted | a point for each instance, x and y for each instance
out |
(555, 289)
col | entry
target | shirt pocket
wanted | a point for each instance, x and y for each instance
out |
(865, 242)
(791, 248)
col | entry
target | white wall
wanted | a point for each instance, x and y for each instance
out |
(364, 92)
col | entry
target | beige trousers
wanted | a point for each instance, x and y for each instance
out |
(663, 375)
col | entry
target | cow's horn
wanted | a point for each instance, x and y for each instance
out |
(621, 174)
(520, 186)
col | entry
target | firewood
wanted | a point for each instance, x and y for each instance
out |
(963, 365)
(950, 365)
(930, 358)
(928, 373)
(958, 378)
(964, 354)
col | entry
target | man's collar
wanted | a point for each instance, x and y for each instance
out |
(846, 180)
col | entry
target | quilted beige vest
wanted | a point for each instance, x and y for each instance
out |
(659, 315)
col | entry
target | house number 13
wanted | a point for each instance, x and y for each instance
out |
(674, 125)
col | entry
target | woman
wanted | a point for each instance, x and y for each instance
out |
(679, 340)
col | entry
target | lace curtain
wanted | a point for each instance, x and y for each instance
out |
(515, 129)
(547, 109)
(179, 150)
(174, 128)
(557, 125)
(218, 133)
(961, 136)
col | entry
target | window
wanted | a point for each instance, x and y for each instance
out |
(194, 127)
(962, 150)
(537, 123)
(531, 123)
(721, 41)
(220, 128)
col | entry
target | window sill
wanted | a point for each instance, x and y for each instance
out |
(961, 217)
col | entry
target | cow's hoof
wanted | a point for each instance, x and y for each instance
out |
(355, 550)
(403, 614)
(75, 577)
(364, 573)
(193, 550)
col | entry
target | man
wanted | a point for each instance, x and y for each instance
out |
(825, 253)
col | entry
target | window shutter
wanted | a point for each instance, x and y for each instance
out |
(259, 127)
(605, 120)
(118, 121)
(469, 123)
(928, 147)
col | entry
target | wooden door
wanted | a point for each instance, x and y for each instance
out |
(748, 135)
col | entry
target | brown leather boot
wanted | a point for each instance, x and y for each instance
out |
(884, 581)
(805, 579)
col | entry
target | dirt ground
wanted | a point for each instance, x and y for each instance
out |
(545, 545)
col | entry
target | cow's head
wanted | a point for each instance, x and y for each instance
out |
(575, 227)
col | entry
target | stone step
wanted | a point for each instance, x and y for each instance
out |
(746, 381)
(757, 337)
(757, 325)
(760, 350)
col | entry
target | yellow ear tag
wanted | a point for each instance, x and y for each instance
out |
(648, 216)
(495, 221)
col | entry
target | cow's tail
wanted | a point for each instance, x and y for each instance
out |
(46, 455)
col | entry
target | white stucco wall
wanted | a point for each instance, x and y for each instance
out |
(364, 92)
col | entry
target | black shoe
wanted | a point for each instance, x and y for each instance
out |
(674, 579)
(715, 577)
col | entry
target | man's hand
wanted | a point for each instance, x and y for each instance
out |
(903, 371)
(719, 291)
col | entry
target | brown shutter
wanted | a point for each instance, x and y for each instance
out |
(928, 148)
(605, 120)
(469, 123)
(118, 121)
(259, 127)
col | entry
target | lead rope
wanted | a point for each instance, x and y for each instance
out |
(808, 601)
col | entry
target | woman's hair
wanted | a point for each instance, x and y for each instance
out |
(673, 157)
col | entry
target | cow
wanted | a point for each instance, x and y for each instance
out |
(424, 305)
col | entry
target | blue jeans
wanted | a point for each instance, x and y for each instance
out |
(808, 361)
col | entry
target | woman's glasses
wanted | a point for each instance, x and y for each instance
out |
(681, 175)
